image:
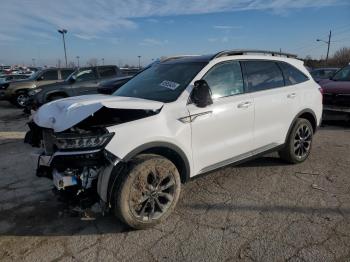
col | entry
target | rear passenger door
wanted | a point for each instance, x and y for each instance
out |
(275, 104)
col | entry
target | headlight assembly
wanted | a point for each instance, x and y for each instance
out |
(83, 142)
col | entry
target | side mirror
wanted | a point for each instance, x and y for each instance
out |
(201, 94)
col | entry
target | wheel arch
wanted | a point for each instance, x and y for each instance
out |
(165, 149)
(307, 114)
(21, 90)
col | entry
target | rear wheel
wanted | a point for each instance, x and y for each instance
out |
(299, 142)
(147, 193)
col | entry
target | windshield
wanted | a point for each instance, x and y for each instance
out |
(161, 82)
(342, 74)
(35, 75)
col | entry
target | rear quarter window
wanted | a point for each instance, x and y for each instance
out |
(292, 76)
(262, 75)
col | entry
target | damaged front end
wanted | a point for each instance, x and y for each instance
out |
(71, 144)
(73, 159)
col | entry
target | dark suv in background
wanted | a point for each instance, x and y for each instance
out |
(336, 95)
(83, 81)
(17, 92)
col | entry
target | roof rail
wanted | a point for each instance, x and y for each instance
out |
(252, 51)
(168, 58)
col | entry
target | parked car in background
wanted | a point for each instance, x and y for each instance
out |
(336, 95)
(323, 73)
(185, 116)
(11, 78)
(110, 86)
(17, 92)
(83, 81)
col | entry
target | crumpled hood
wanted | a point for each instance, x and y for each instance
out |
(65, 113)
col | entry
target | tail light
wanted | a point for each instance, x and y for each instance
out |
(321, 91)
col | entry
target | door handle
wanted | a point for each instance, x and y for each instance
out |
(292, 95)
(244, 104)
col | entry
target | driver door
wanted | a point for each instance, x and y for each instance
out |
(222, 133)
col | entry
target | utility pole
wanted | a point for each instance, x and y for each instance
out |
(327, 42)
(139, 61)
(63, 32)
(78, 60)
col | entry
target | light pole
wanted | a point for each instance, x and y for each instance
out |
(78, 60)
(327, 42)
(139, 61)
(63, 32)
(103, 61)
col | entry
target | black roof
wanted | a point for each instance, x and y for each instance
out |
(187, 59)
(207, 58)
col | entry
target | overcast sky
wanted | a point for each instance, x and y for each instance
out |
(120, 30)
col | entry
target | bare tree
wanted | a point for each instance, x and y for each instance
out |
(341, 57)
(92, 62)
(71, 64)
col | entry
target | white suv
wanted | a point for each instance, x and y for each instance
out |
(181, 117)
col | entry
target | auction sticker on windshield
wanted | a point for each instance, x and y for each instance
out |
(169, 84)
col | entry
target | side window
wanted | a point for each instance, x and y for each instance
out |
(262, 75)
(225, 79)
(66, 73)
(86, 75)
(293, 76)
(50, 75)
(107, 71)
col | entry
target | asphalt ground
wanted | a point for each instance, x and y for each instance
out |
(263, 210)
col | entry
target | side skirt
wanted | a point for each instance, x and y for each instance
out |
(242, 158)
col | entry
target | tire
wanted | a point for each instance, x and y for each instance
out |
(299, 142)
(148, 191)
(20, 100)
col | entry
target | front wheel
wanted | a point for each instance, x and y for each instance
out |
(20, 100)
(299, 141)
(147, 193)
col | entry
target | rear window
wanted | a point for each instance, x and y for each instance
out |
(107, 71)
(292, 76)
(262, 75)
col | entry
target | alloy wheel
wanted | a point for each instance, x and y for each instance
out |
(302, 141)
(152, 194)
(22, 99)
